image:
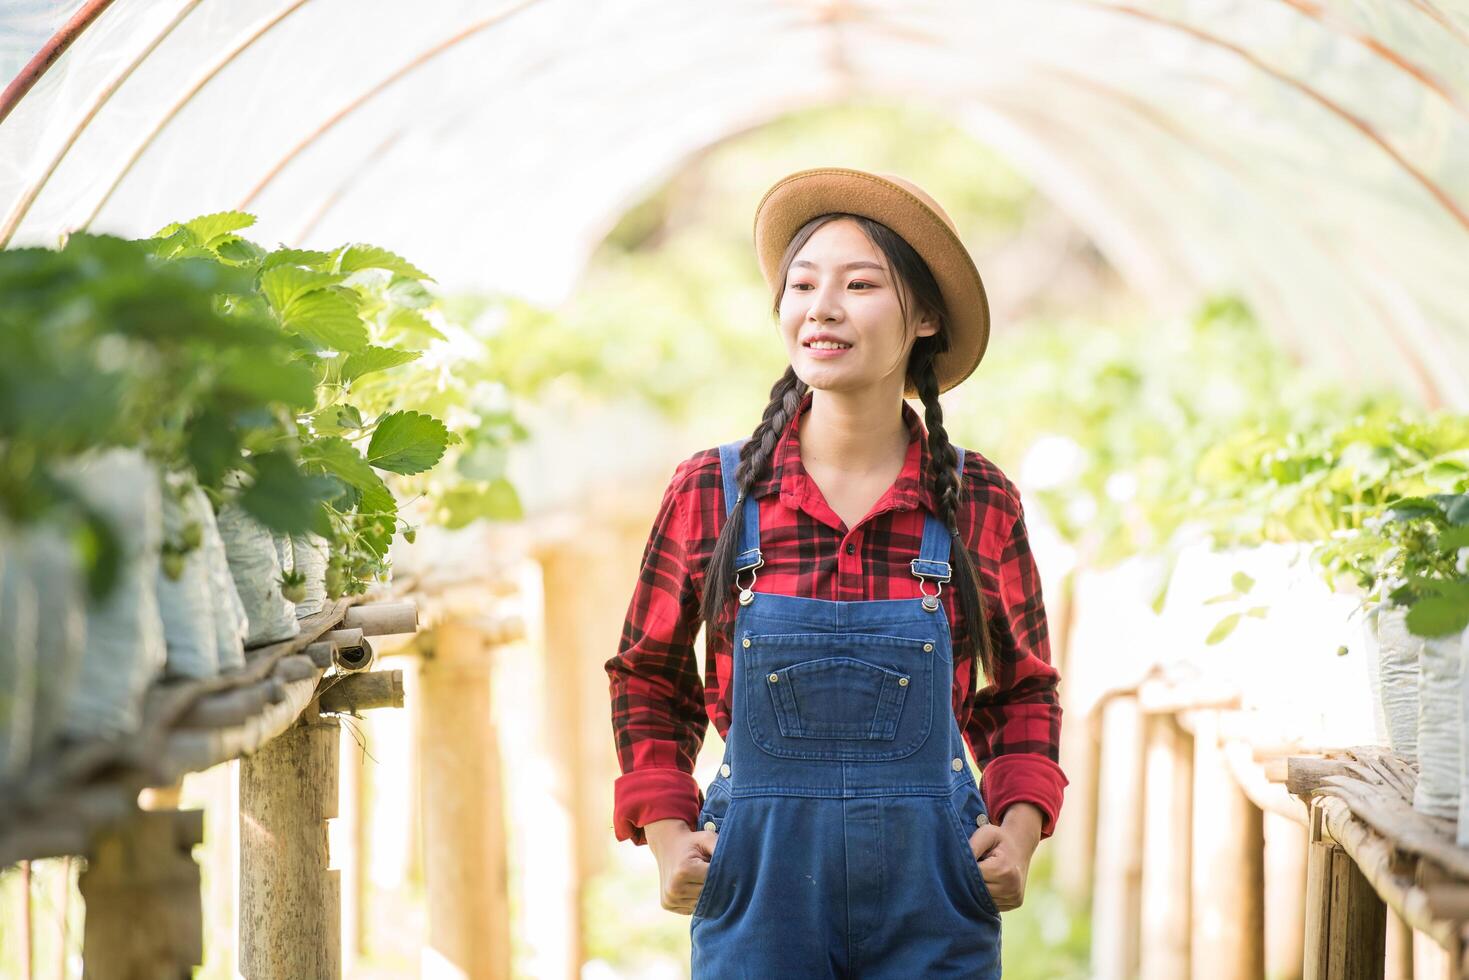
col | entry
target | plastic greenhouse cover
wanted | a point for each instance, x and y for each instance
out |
(1313, 156)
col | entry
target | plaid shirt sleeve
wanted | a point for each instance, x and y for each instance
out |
(658, 713)
(1014, 722)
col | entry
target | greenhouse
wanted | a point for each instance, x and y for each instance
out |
(349, 349)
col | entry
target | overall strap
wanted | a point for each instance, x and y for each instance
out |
(749, 553)
(933, 555)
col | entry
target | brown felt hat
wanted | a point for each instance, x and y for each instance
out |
(912, 214)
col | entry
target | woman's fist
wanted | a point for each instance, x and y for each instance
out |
(683, 862)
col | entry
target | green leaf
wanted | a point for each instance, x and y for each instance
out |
(1258, 612)
(1411, 507)
(207, 227)
(372, 359)
(1242, 583)
(377, 500)
(1458, 511)
(409, 292)
(336, 419)
(1437, 616)
(285, 499)
(340, 458)
(317, 261)
(407, 442)
(239, 251)
(327, 319)
(466, 503)
(1222, 629)
(410, 327)
(360, 257)
(483, 461)
(1225, 597)
(1454, 538)
(283, 284)
(213, 447)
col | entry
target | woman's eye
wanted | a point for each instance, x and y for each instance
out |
(860, 283)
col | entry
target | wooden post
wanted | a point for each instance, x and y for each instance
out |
(1228, 934)
(349, 839)
(1167, 864)
(463, 825)
(290, 902)
(1399, 944)
(1346, 920)
(1117, 903)
(142, 894)
(1358, 946)
(1076, 836)
(1285, 897)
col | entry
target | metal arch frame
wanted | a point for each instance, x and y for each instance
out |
(388, 81)
(1449, 25)
(209, 74)
(1427, 386)
(359, 101)
(1424, 77)
(1087, 138)
(49, 54)
(22, 205)
(1445, 200)
(760, 113)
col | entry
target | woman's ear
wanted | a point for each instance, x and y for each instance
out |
(928, 325)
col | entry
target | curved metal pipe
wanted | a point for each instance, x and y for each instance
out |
(48, 55)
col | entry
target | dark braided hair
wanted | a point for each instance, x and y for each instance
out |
(915, 279)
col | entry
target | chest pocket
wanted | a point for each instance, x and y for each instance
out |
(838, 696)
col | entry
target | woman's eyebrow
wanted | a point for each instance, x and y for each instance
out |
(859, 264)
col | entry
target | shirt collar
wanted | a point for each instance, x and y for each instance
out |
(787, 475)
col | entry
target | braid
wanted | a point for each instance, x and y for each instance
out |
(945, 486)
(755, 457)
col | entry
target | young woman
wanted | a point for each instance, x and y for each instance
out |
(844, 834)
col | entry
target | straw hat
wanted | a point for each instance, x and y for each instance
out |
(911, 213)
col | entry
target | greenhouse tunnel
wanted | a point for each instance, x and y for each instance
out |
(1313, 157)
(1218, 169)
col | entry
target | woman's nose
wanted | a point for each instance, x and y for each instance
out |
(824, 307)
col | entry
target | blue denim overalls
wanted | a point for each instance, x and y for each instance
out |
(844, 805)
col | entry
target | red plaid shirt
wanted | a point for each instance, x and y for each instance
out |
(661, 704)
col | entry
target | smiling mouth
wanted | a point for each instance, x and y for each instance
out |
(826, 345)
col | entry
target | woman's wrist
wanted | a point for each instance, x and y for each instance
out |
(1024, 821)
(658, 830)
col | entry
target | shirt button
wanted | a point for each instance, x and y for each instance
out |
(902, 682)
(981, 820)
(724, 770)
(774, 678)
(957, 764)
(851, 548)
(709, 825)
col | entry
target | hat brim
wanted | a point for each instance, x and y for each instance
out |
(803, 195)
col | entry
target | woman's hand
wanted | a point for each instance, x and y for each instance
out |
(1004, 852)
(683, 861)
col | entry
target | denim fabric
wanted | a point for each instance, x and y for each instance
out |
(844, 805)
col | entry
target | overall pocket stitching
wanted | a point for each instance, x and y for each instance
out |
(887, 698)
(766, 733)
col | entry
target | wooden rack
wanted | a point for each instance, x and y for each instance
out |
(142, 886)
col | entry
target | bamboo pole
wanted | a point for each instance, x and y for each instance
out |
(1167, 856)
(1285, 896)
(142, 893)
(465, 859)
(290, 902)
(1117, 905)
(1228, 930)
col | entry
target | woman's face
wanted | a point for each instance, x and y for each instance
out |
(839, 289)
